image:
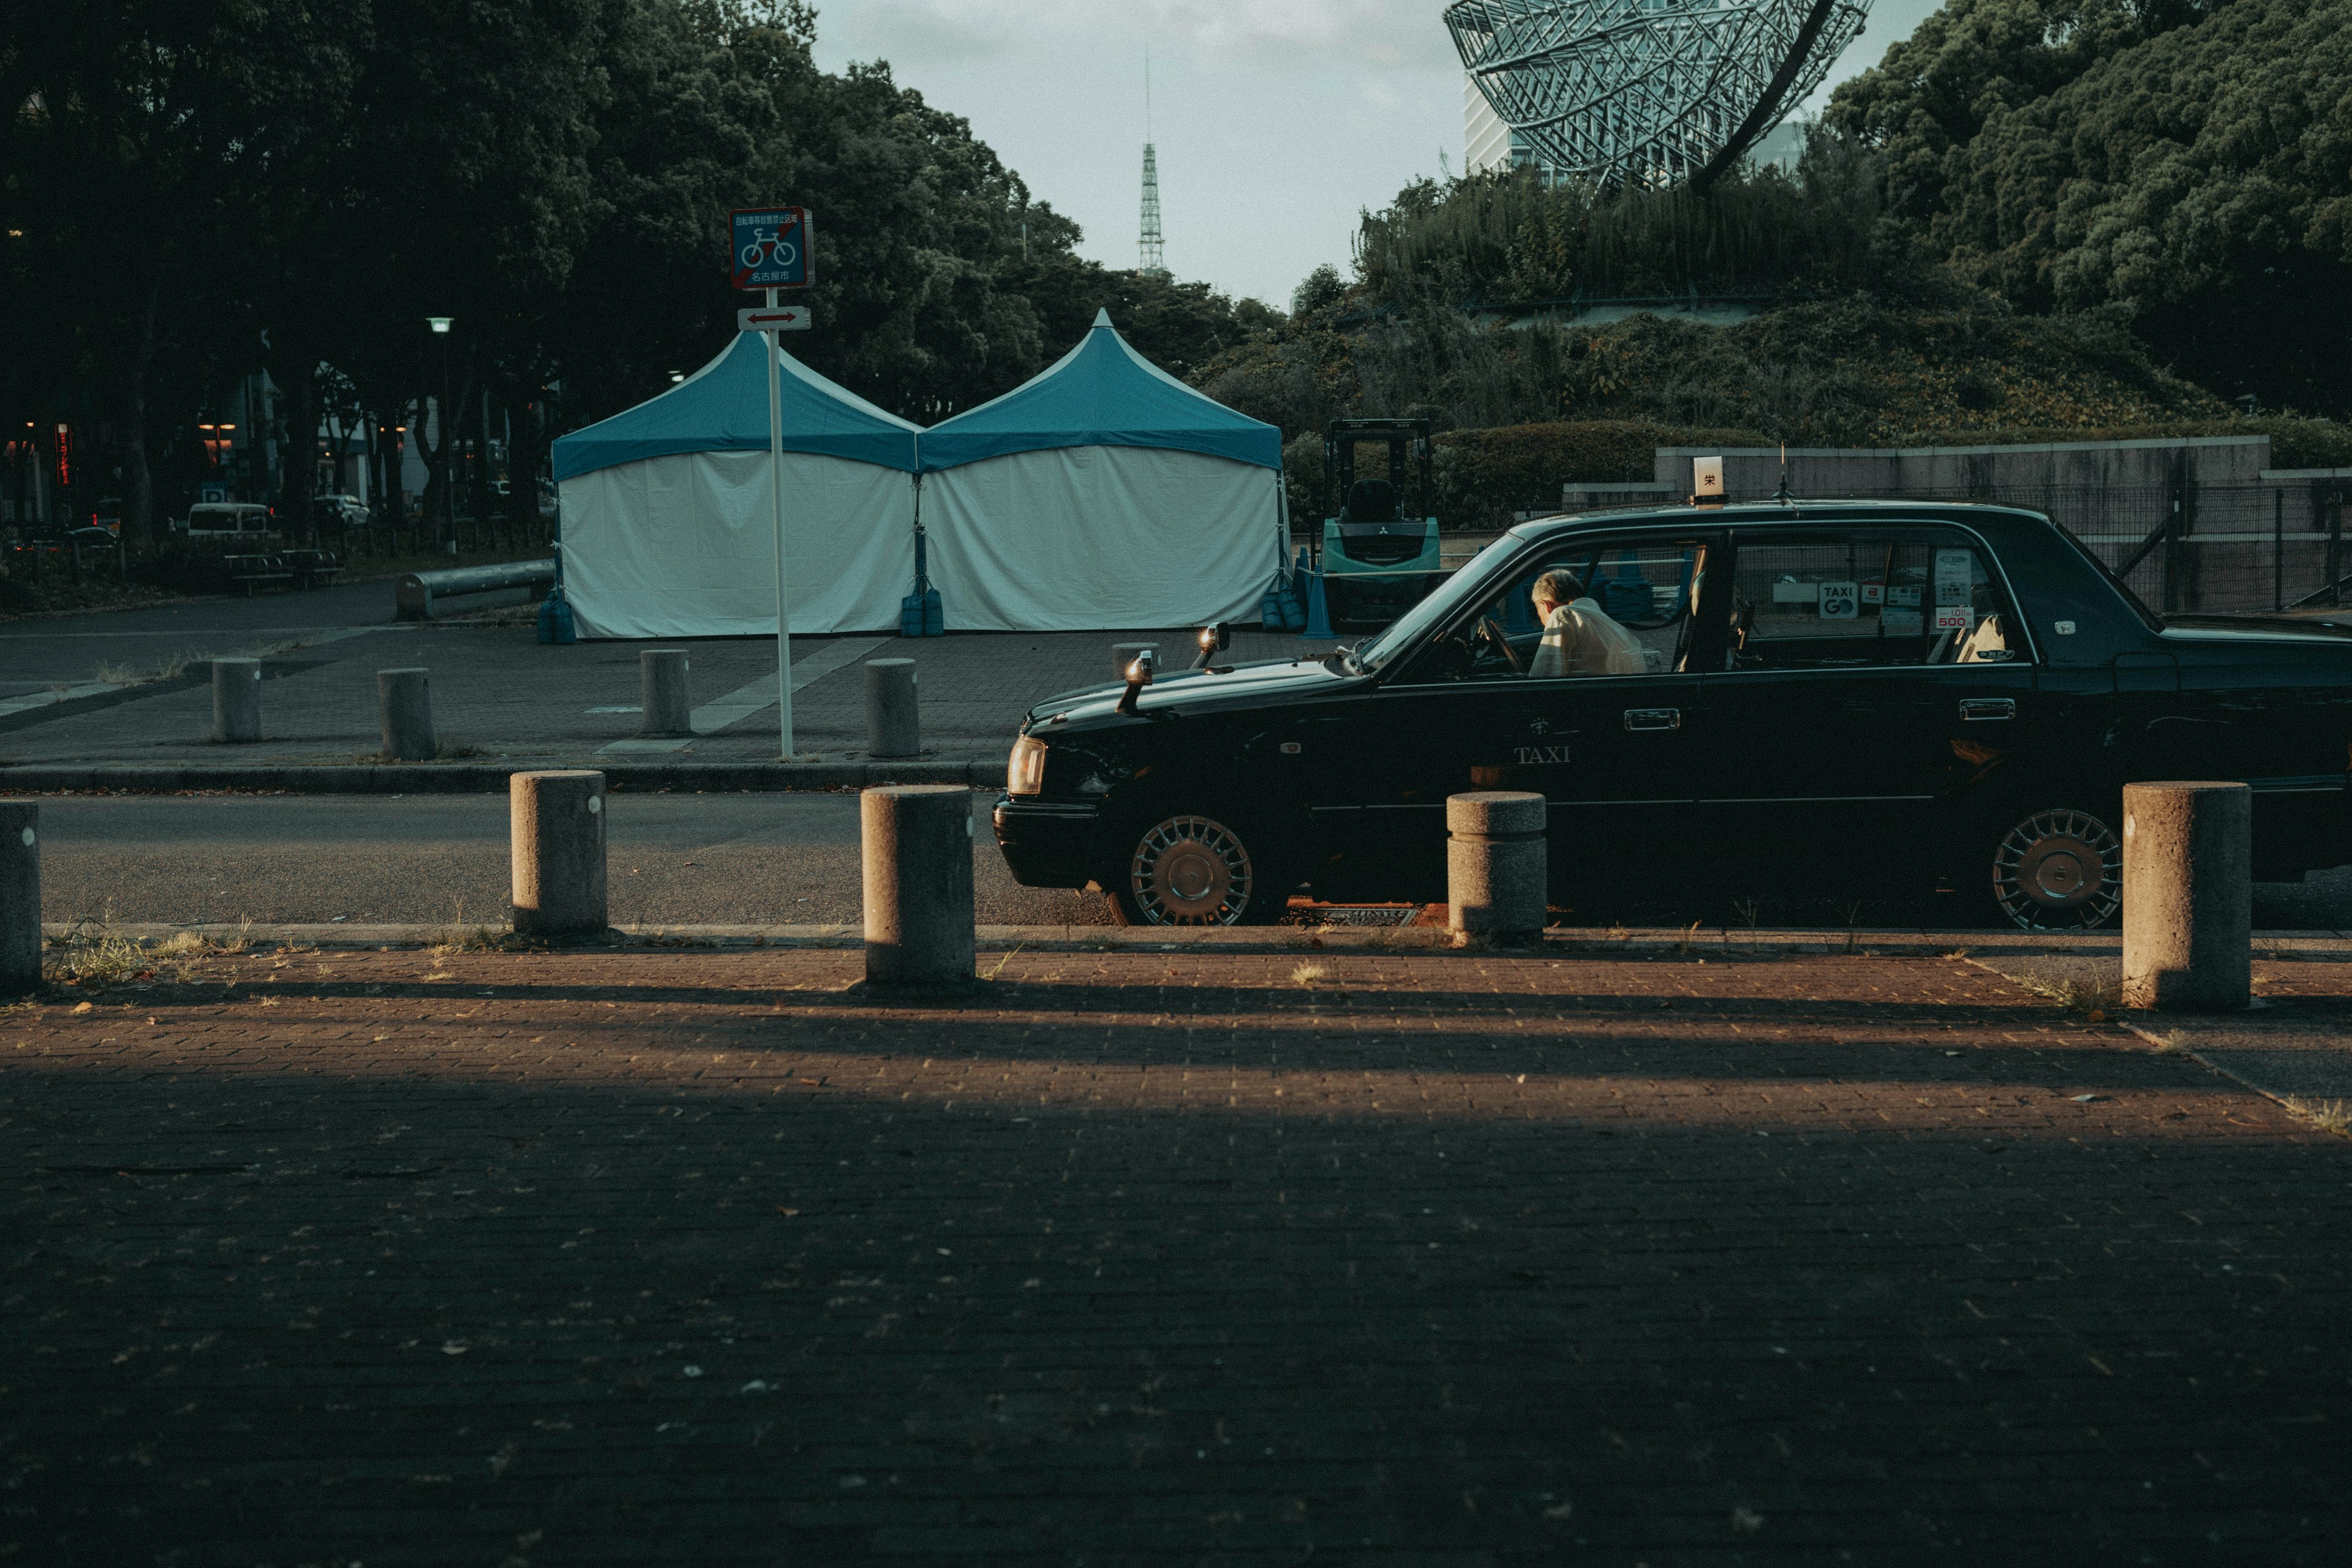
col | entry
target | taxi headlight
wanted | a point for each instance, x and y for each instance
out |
(1025, 773)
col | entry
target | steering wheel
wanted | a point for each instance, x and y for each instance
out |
(1492, 631)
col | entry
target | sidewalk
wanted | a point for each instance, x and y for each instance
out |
(1181, 1254)
(501, 700)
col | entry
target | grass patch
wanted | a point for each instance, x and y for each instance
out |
(2093, 999)
(459, 937)
(2327, 1115)
(170, 669)
(96, 952)
(1308, 975)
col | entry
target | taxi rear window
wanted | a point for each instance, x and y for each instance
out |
(1914, 596)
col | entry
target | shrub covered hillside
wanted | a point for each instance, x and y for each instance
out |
(2002, 235)
(2186, 163)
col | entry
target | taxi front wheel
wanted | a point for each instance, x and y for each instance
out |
(1195, 868)
(2058, 869)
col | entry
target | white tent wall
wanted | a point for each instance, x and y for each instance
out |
(1077, 539)
(683, 545)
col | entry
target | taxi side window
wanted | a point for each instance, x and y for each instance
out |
(1917, 596)
(1646, 586)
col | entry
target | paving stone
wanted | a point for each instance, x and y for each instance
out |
(697, 1256)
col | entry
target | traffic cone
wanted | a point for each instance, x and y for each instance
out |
(1319, 618)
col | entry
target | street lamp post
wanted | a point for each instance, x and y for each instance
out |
(440, 325)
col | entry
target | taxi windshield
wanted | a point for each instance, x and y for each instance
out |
(1469, 584)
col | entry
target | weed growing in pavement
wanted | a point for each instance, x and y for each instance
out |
(2173, 1043)
(1688, 939)
(457, 752)
(1750, 911)
(1003, 961)
(2091, 998)
(171, 668)
(98, 959)
(95, 951)
(459, 937)
(1308, 974)
(2327, 1115)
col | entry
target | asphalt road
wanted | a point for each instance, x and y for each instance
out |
(64, 651)
(693, 859)
(676, 859)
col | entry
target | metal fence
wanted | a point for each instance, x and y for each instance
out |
(2277, 546)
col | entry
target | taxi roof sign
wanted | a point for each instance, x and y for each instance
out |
(769, 247)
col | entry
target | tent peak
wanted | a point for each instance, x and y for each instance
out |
(1102, 316)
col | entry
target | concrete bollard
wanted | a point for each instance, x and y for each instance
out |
(892, 727)
(1123, 654)
(404, 708)
(2188, 892)
(665, 710)
(557, 828)
(237, 700)
(917, 866)
(20, 896)
(1496, 865)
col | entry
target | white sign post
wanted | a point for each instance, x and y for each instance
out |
(773, 248)
(774, 345)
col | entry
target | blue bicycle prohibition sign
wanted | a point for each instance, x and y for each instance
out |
(770, 248)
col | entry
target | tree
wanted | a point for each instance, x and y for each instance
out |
(1318, 290)
(2189, 168)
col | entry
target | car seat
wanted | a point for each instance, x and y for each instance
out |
(1988, 644)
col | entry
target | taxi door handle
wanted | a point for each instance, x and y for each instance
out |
(1989, 708)
(1653, 717)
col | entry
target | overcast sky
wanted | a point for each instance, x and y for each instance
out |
(1276, 120)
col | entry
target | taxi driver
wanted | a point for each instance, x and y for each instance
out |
(1578, 637)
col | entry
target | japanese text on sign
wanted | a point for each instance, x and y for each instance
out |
(770, 247)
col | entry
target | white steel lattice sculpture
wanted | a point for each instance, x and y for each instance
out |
(1648, 91)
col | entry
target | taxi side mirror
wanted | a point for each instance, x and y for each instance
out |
(1212, 641)
(1139, 676)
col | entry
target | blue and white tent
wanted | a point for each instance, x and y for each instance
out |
(1102, 494)
(667, 525)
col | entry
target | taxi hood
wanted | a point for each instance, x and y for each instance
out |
(1180, 691)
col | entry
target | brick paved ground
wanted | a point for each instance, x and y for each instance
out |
(693, 1257)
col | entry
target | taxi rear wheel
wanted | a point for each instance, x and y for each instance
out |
(2058, 869)
(1195, 868)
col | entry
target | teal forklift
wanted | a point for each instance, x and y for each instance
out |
(1378, 557)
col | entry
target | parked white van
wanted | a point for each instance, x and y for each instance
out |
(213, 519)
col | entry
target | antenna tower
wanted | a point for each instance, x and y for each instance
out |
(1147, 260)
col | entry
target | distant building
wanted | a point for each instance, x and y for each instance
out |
(1486, 142)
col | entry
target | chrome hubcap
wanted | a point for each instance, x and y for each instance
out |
(1190, 870)
(2059, 868)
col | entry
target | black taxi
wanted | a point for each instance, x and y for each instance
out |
(1833, 698)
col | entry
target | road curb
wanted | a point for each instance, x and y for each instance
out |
(485, 778)
(1741, 945)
